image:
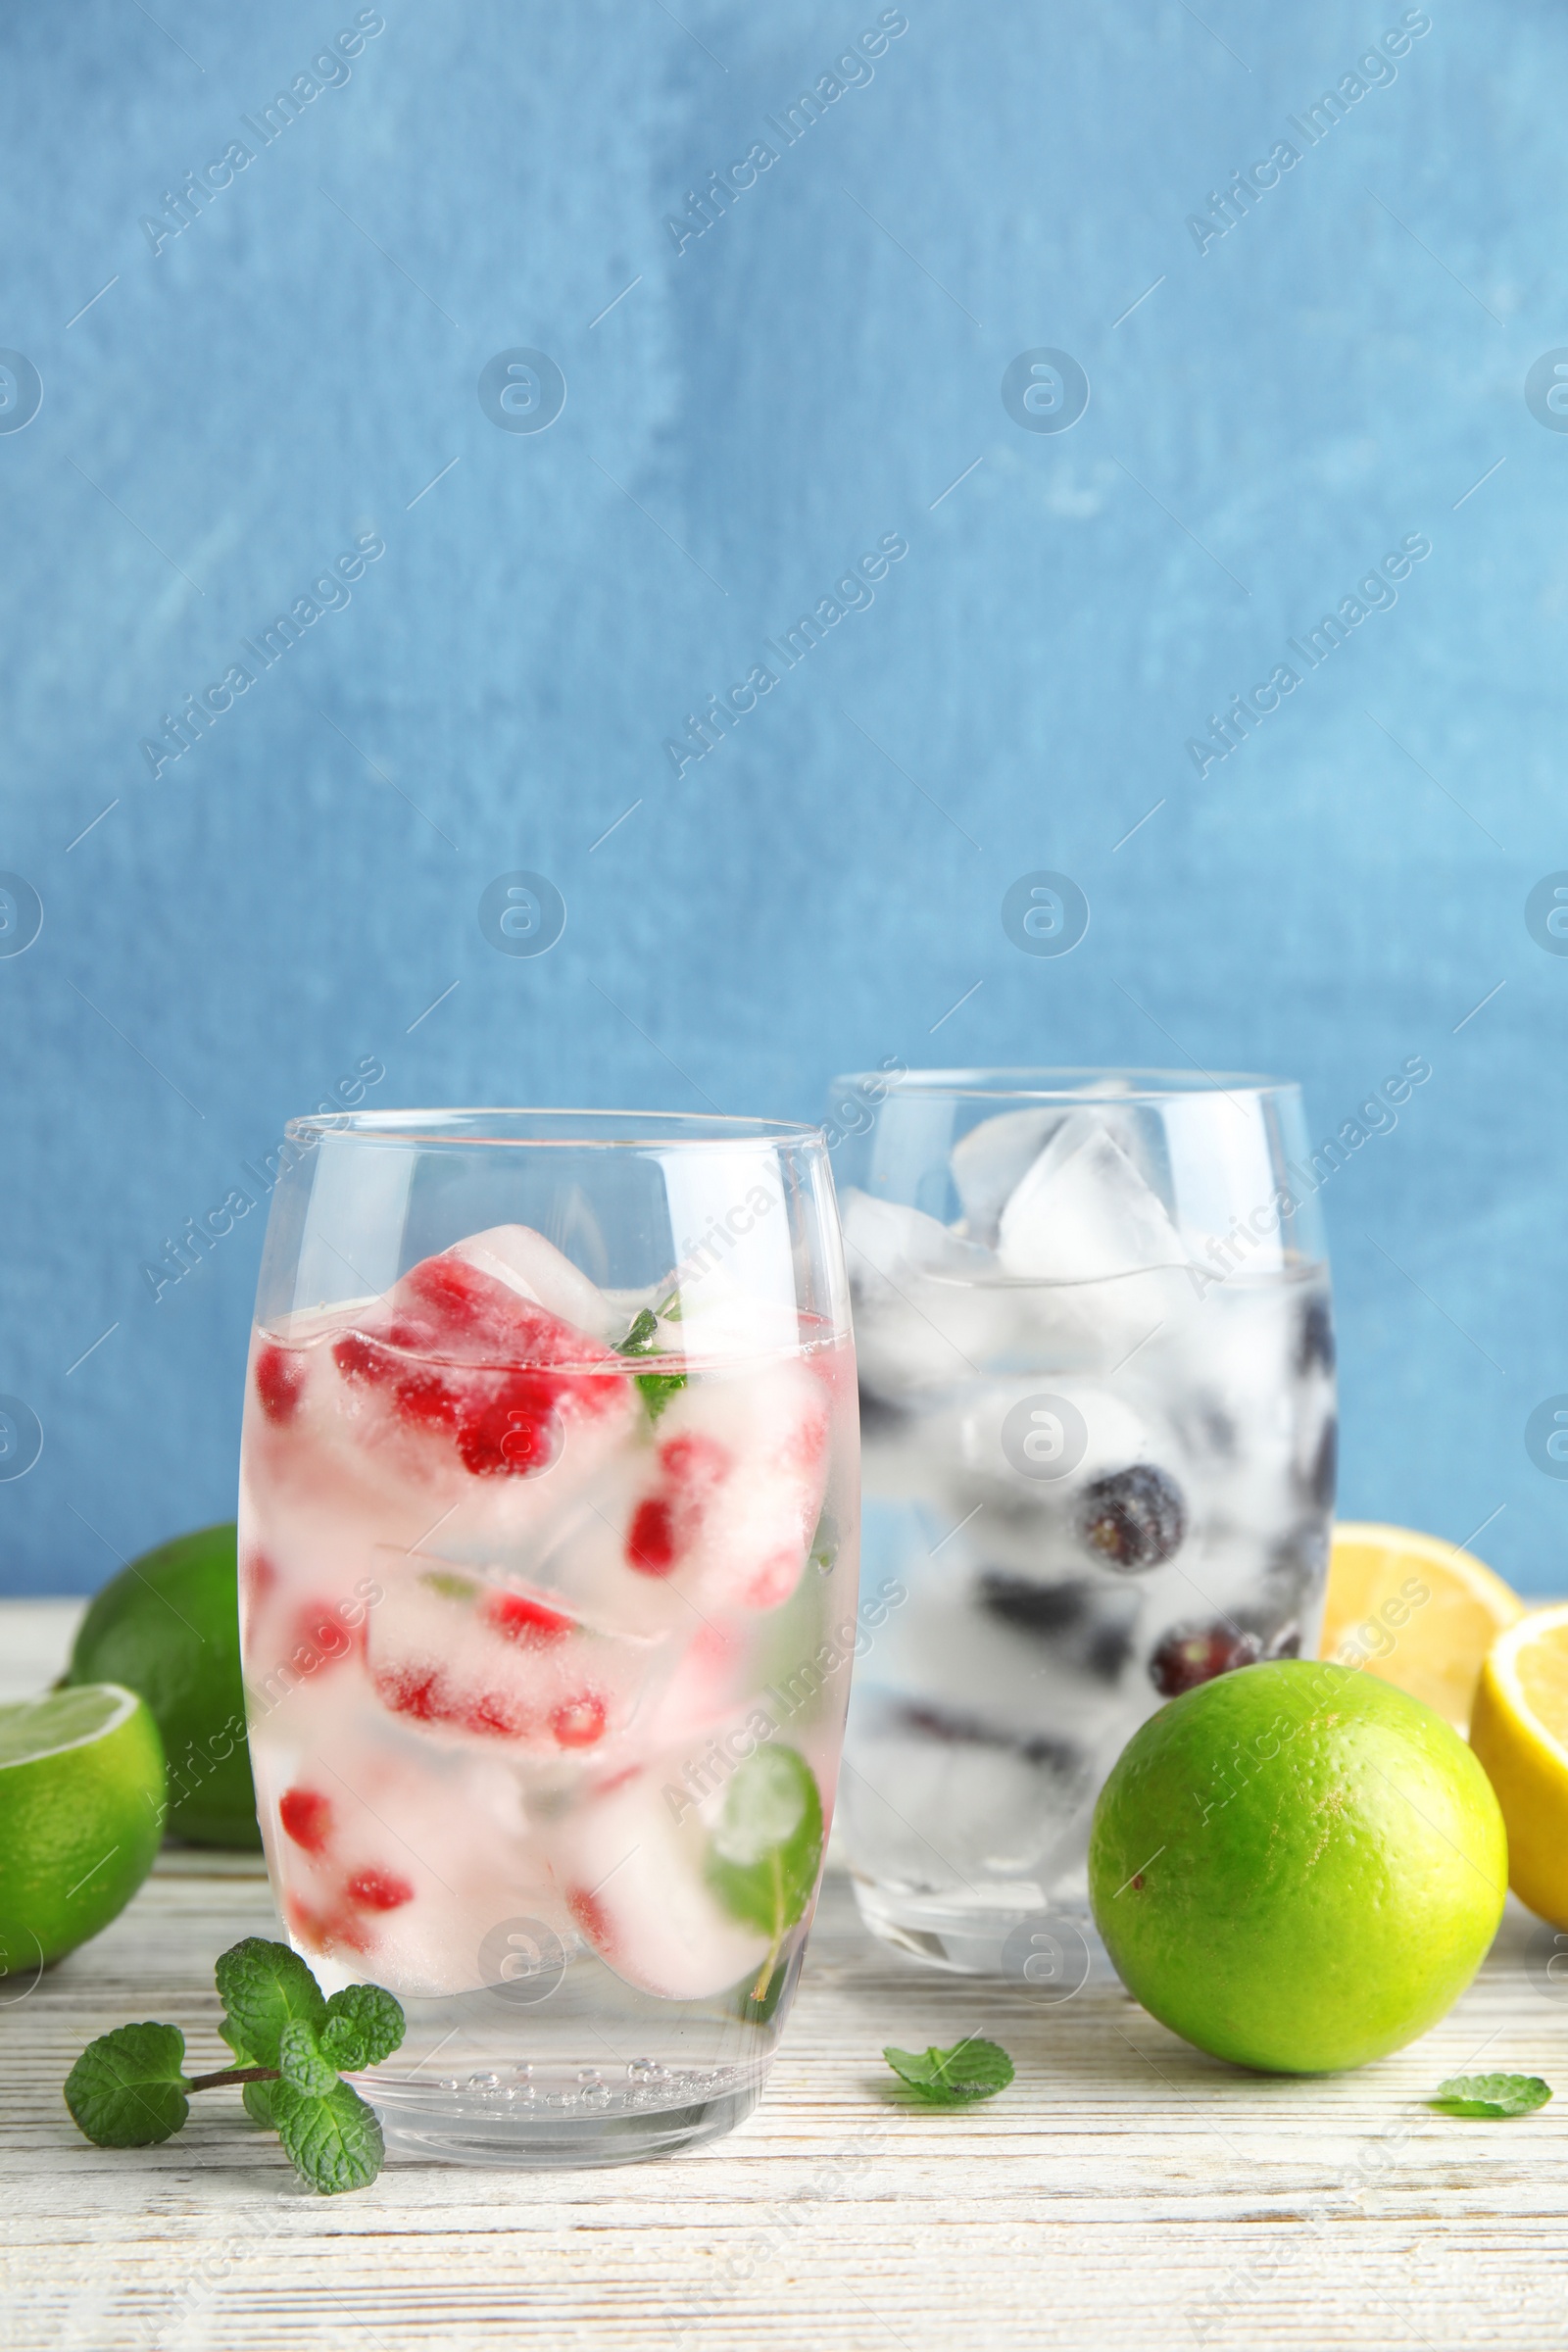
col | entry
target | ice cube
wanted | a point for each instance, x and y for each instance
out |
(1028, 1445)
(1071, 1470)
(713, 1510)
(400, 1861)
(925, 1320)
(741, 1465)
(455, 1399)
(463, 1357)
(463, 1660)
(629, 1863)
(1083, 1212)
(310, 1570)
(932, 1796)
(991, 1161)
(718, 1318)
(536, 1270)
(1019, 1656)
(1079, 1628)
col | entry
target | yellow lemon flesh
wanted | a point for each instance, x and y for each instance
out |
(1415, 1612)
(1520, 1732)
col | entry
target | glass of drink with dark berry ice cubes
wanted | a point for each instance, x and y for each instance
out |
(1096, 1350)
(548, 1572)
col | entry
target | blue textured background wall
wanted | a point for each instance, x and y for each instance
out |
(219, 944)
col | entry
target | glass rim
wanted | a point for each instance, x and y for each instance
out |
(1086, 1083)
(467, 1125)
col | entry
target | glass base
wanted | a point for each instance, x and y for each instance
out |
(547, 2116)
(1008, 1932)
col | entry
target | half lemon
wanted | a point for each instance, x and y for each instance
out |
(1520, 1733)
(1414, 1611)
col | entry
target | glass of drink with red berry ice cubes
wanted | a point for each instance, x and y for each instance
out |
(1095, 1349)
(548, 1583)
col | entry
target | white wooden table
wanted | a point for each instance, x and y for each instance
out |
(1127, 2191)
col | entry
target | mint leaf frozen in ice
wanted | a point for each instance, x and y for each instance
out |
(765, 1854)
(658, 1388)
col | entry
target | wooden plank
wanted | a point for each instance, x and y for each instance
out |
(1127, 2192)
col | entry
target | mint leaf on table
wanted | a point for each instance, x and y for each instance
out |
(333, 2141)
(264, 1986)
(1491, 2095)
(257, 2095)
(301, 2064)
(364, 2026)
(128, 2089)
(971, 2070)
(258, 2098)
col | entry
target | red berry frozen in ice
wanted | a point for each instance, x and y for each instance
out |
(579, 1722)
(458, 1355)
(1193, 1654)
(258, 1576)
(651, 1537)
(378, 1891)
(307, 1817)
(591, 1916)
(320, 1638)
(523, 1619)
(279, 1382)
(513, 1431)
(665, 1526)
(496, 1663)
(738, 1482)
(327, 1931)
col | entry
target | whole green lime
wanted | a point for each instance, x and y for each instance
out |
(81, 1816)
(1296, 1867)
(168, 1626)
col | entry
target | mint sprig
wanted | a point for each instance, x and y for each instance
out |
(973, 2069)
(1491, 2095)
(658, 1388)
(129, 2089)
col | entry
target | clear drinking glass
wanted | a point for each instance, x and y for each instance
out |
(1096, 1350)
(548, 1550)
